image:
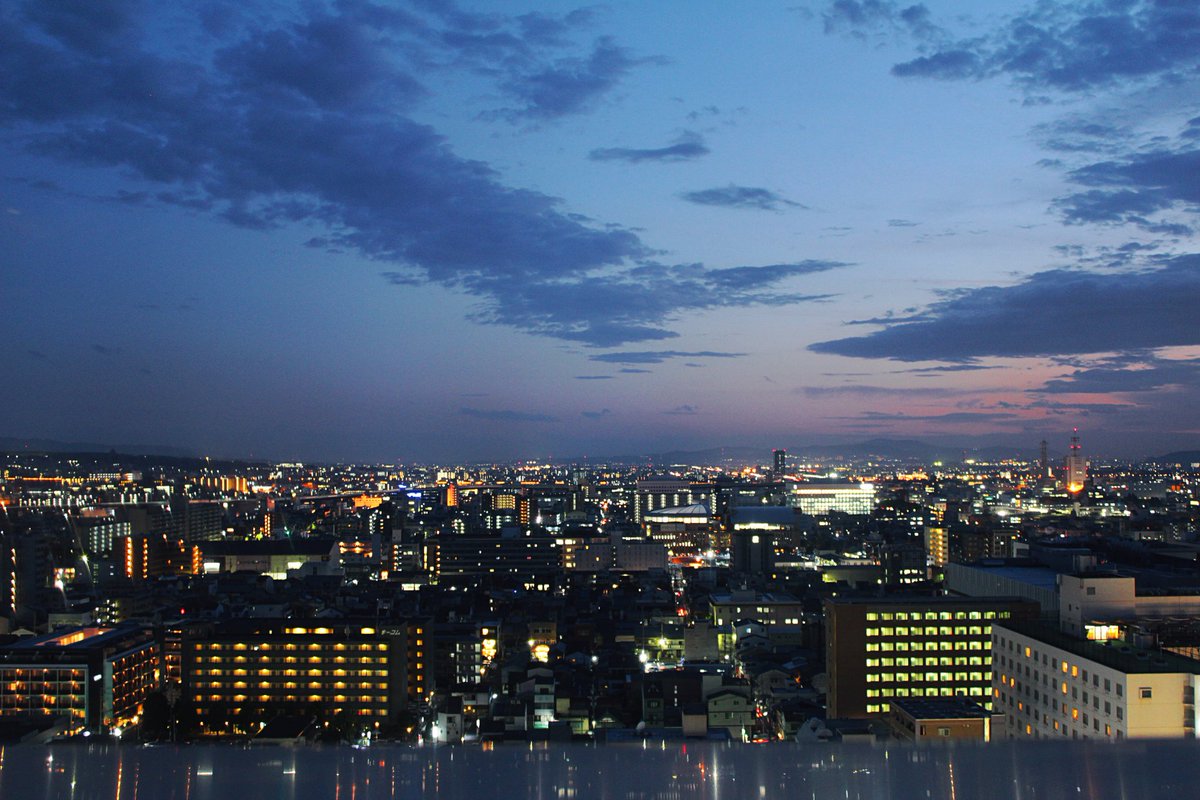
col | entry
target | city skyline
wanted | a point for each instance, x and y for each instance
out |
(420, 231)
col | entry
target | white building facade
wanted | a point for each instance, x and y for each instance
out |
(1052, 685)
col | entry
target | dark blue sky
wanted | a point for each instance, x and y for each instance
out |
(416, 230)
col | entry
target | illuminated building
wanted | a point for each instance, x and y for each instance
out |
(98, 531)
(1076, 466)
(197, 520)
(781, 521)
(921, 647)
(1090, 597)
(225, 483)
(272, 557)
(144, 557)
(815, 499)
(652, 494)
(683, 530)
(528, 557)
(1055, 686)
(903, 562)
(8, 576)
(584, 548)
(363, 669)
(779, 461)
(937, 545)
(97, 677)
(773, 610)
(971, 543)
(456, 653)
(504, 500)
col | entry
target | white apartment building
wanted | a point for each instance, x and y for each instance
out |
(1052, 685)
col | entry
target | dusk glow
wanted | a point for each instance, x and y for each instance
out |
(419, 231)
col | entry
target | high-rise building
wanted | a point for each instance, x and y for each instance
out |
(752, 552)
(530, 558)
(779, 462)
(1076, 465)
(197, 520)
(8, 576)
(366, 670)
(937, 545)
(911, 647)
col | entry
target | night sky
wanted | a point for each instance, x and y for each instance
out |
(418, 231)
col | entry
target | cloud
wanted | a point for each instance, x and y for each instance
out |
(570, 85)
(902, 223)
(683, 411)
(951, 418)
(308, 121)
(1077, 133)
(1143, 374)
(635, 371)
(864, 390)
(106, 350)
(635, 304)
(593, 377)
(690, 146)
(505, 415)
(604, 412)
(1133, 187)
(942, 368)
(861, 17)
(1075, 47)
(732, 196)
(401, 279)
(946, 64)
(657, 356)
(1055, 312)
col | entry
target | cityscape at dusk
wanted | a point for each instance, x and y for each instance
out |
(669, 400)
(349, 231)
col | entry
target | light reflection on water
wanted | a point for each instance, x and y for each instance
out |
(675, 771)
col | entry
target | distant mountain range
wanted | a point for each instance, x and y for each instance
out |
(890, 449)
(9, 444)
(910, 450)
(1179, 457)
(145, 458)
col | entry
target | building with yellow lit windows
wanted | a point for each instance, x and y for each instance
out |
(95, 677)
(882, 648)
(252, 670)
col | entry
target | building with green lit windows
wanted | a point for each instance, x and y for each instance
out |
(882, 648)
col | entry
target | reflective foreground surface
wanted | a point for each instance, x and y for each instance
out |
(628, 772)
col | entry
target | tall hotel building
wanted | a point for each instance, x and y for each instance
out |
(878, 649)
(367, 670)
